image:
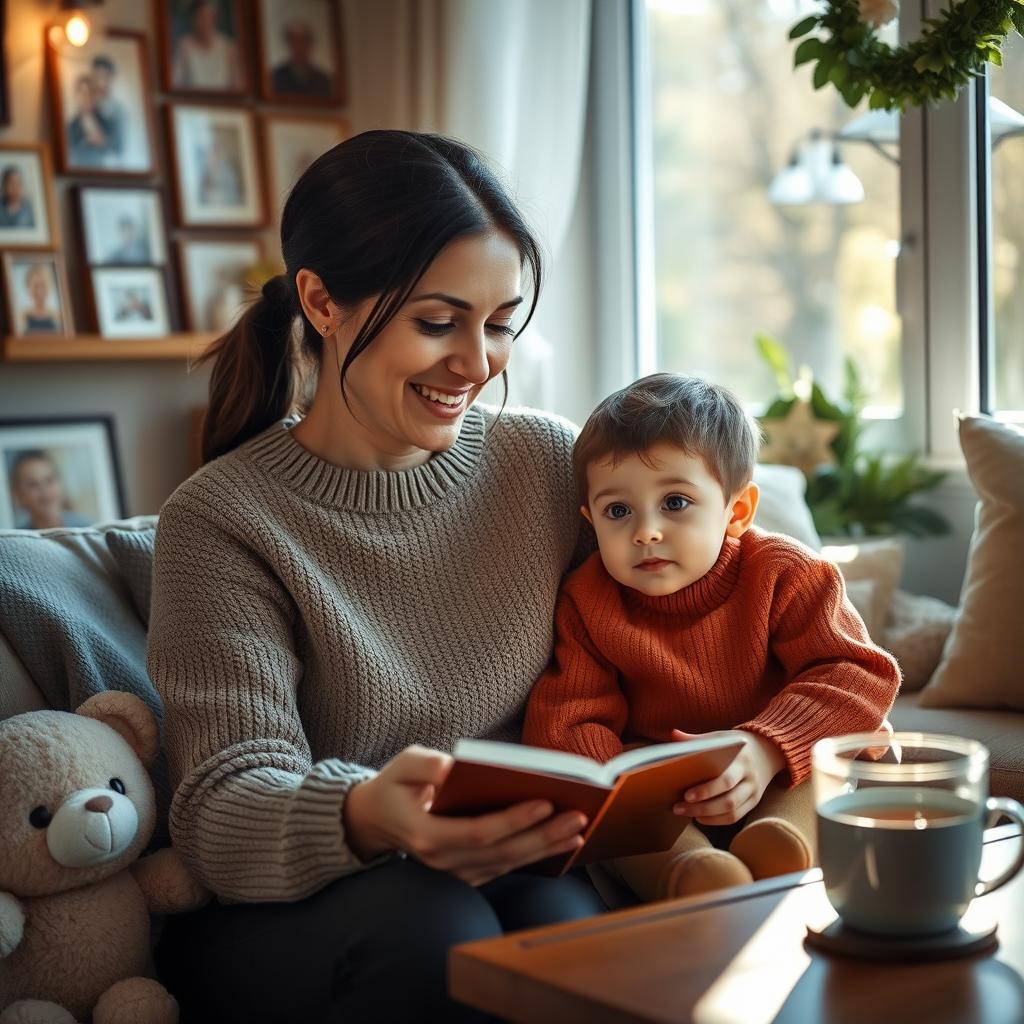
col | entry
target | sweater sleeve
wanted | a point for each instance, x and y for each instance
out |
(837, 680)
(577, 704)
(252, 814)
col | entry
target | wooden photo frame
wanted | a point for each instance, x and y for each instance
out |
(216, 161)
(36, 291)
(122, 225)
(204, 47)
(59, 471)
(131, 302)
(28, 214)
(214, 287)
(291, 142)
(299, 52)
(102, 112)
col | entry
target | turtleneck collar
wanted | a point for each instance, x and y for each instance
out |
(374, 491)
(700, 597)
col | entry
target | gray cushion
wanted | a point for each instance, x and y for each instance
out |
(70, 621)
(133, 552)
(1001, 731)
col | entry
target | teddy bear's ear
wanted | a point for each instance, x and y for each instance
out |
(129, 716)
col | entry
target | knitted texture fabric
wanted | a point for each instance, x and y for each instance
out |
(765, 641)
(310, 622)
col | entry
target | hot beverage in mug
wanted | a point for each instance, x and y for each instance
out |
(900, 841)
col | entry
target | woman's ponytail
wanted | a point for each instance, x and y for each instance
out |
(253, 378)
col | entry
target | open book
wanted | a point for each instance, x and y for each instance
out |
(627, 801)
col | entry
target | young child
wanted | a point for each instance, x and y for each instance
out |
(689, 620)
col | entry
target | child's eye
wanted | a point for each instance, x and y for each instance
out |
(617, 510)
(676, 503)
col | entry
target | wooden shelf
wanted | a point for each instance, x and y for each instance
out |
(94, 348)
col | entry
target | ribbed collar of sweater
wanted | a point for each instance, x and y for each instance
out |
(703, 596)
(280, 455)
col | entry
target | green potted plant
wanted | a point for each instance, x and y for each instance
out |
(851, 492)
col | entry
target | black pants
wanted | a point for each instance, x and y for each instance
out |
(370, 947)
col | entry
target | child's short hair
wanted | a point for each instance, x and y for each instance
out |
(702, 419)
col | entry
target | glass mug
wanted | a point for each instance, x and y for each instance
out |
(901, 821)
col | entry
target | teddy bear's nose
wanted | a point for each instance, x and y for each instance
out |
(99, 803)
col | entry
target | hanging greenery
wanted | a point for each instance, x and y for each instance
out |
(952, 49)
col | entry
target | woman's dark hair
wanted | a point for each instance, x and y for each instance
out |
(367, 217)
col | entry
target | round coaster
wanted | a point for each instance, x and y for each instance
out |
(845, 941)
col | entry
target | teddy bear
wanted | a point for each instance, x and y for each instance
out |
(77, 809)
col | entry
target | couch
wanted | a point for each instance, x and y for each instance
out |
(101, 576)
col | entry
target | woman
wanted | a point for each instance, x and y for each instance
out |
(336, 602)
(39, 317)
(15, 207)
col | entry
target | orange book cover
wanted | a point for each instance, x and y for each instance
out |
(627, 802)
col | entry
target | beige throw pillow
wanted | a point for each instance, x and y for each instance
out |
(878, 560)
(983, 661)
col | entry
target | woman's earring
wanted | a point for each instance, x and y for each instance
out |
(325, 328)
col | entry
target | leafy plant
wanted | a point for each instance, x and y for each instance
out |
(864, 493)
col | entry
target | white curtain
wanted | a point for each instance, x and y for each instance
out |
(509, 77)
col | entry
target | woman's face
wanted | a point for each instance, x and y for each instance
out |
(36, 488)
(38, 286)
(14, 187)
(412, 386)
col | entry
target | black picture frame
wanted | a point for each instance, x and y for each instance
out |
(20, 436)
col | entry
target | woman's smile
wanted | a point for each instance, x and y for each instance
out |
(445, 404)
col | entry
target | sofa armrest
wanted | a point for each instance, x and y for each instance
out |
(17, 691)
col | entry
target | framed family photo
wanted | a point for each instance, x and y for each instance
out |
(37, 294)
(58, 472)
(291, 142)
(214, 275)
(101, 104)
(299, 51)
(131, 302)
(122, 225)
(27, 212)
(203, 46)
(216, 166)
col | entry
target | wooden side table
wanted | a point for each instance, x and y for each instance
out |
(740, 959)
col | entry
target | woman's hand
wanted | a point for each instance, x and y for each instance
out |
(738, 790)
(392, 812)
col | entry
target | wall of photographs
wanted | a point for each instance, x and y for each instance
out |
(141, 182)
(172, 183)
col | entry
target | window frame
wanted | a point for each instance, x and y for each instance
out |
(942, 287)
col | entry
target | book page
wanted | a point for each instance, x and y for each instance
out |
(631, 759)
(534, 759)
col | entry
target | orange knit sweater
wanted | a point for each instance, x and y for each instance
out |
(765, 641)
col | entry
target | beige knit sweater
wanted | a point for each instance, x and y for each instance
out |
(309, 622)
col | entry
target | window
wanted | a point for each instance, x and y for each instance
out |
(1004, 363)
(766, 217)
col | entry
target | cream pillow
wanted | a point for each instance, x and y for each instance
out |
(781, 507)
(983, 660)
(877, 560)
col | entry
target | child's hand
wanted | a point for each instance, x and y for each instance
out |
(738, 790)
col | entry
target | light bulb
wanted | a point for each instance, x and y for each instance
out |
(77, 29)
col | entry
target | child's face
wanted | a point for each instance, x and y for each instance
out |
(661, 517)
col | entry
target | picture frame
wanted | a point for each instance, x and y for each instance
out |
(217, 180)
(204, 47)
(59, 471)
(28, 214)
(36, 292)
(213, 280)
(101, 96)
(122, 225)
(131, 302)
(291, 142)
(299, 52)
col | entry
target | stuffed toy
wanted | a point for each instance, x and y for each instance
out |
(76, 811)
